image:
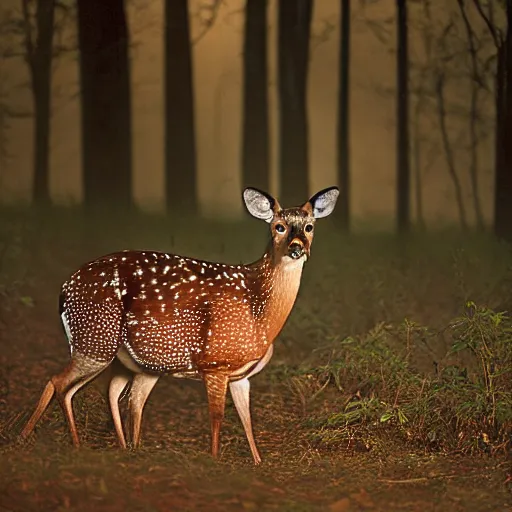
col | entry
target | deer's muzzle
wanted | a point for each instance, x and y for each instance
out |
(296, 249)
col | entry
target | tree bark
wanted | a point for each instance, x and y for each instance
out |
(39, 58)
(255, 137)
(180, 142)
(294, 24)
(343, 209)
(503, 166)
(402, 105)
(106, 108)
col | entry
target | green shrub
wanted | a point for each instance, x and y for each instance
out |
(464, 404)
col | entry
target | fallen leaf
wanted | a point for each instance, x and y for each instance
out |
(363, 498)
(342, 505)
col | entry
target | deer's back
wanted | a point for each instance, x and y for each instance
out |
(173, 314)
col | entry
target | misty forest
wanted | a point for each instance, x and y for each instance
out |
(137, 125)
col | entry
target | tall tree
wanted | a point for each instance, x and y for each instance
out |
(421, 89)
(343, 211)
(294, 26)
(402, 114)
(503, 171)
(475, 83)
(38, 54)
(503, 130)
(106, 109)
(255, 143)
(180, 144)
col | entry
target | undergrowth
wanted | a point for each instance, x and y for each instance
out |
(373, 392)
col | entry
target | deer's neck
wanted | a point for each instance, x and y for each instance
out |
(275, 286)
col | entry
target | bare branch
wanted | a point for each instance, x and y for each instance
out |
(16, 113)
(492, 29)
(447, 146)
(323, 35)
(9, 54)
(473, 113)
(471, 42)
(213, 12)
(29, 43)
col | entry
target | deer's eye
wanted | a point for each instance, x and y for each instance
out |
(308, 228)
(280, 228)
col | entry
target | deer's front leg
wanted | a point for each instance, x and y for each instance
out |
(240, 391)
(216, 388)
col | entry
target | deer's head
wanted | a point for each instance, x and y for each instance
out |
(292, 229)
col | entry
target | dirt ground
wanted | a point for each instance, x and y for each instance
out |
(173, 471)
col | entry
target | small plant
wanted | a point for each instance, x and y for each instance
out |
(487, 387)
(465, 405)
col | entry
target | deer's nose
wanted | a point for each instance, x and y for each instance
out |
(296, 248)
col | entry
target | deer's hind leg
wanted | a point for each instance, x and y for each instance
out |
(142, 386)
(120, 379)
(94, 332)
(80, 370)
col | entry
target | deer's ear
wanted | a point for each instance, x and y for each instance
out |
(259, 204)
(323, 202)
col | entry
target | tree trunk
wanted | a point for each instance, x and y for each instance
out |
(402, 105)
(503, 166)
(294, 23)
(255, 143)
(106, 109)
(343, 210)
(40, 63)
(180, 143)
(473, 115)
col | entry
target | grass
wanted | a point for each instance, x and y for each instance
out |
(394, 369)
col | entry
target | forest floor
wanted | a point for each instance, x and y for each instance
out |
(358, 410)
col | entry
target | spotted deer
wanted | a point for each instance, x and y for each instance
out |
(159, 313)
